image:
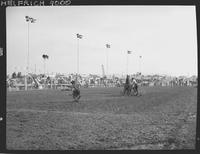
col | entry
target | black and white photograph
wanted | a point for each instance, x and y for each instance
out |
(101, 77)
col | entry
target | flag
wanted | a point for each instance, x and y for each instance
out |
(107, 45)
(33, 20)
(79, 36)
(129, 52)
(30, 19)
(45, 56)
(27, 18)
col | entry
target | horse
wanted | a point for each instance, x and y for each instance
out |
(127, 86)
(75, 91)
(130, 87)
(134, 88)
(76, 94)
(127, 89)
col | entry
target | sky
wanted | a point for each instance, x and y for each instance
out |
(165, 37)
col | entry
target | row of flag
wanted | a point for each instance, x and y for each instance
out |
(107, 45)
(78, 35)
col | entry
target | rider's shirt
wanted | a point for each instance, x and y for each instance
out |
(134, 81)
(75, 86)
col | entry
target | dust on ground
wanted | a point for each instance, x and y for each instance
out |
(162, 118)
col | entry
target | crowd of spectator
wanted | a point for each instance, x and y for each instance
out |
(17, 80)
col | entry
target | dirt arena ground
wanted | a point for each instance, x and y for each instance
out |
(162, 118)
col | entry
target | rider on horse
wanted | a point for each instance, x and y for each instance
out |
(75, 90)
(134, 86)
(127, 85)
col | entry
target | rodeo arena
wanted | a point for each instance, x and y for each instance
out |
(102, 112)
(49, 110)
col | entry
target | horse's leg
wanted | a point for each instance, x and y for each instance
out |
(123, 91)
(128, 90)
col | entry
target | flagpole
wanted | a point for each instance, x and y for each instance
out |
(77, 56)
(140, 65)
(44, 66)
(78, 37)
(28, 51)
(107, 61)
(127, 64)
(27, 67)
(28, 19)
(35, 68)
(107, 51)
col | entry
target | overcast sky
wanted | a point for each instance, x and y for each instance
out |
(165, 37)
